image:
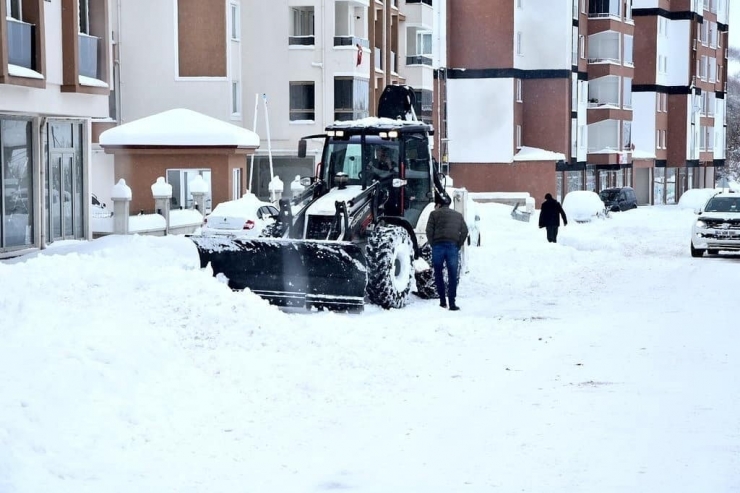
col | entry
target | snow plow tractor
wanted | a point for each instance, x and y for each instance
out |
(357, 231)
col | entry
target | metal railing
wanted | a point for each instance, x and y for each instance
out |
(21, 43)
(89, 55)
(302, 40)
(419, 60)
(427, 2)
(351, 41)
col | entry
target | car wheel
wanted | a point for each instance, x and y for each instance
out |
(712, 251)
(696, 252)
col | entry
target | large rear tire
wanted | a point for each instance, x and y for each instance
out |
(390, 258)
(425, 287)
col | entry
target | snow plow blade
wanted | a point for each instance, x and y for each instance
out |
(301, 273)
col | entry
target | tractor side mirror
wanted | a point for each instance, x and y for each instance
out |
(302, 148)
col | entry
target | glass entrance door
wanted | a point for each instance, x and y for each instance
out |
(65, 182)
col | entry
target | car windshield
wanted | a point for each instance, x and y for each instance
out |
(609, 194)
(723, 204)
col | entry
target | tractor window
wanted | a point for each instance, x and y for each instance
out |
(344, 157)
(418, 174)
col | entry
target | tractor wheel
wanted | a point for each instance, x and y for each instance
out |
(390, 257)
(425, 287)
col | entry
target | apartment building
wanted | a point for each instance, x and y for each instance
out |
(538, 95)
(679, 93)
(55, 70)
(286, 68)
(325, 60)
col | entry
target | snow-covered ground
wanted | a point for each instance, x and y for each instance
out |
(608, 362)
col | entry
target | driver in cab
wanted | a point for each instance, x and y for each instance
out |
(383, 166)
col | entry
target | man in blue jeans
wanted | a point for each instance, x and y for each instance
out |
(446, 232)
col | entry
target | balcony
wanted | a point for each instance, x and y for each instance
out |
(21, 44)
(89, 56)
(604, 92)
(605, 9)
(351, 41)
(426, 2)
(603, 137)
(419, 60)
(378, 59)
(604, 48)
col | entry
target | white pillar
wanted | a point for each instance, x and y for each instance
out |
(276, 189)
(295, 186)
(198, 189)
(162, 193)
(121, 197)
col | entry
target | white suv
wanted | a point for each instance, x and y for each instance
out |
(718, 225)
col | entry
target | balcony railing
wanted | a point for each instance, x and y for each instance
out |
(89, 56)
(427, 2)
(351, 41)
(21, 43)
(419, 60)
(302, 40)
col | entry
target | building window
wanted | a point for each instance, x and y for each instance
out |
(663, 134)
(236, 98)
(84, 16)
(423, 106)
(234, 25)
(14, 9)
(302, 26)
(64, 183)
(351, 98)
(627, 57)
(518, 136)
(16, 184)
(519, 43)
(582, 45)
(302, 102)
(518, 90)
(424, 43)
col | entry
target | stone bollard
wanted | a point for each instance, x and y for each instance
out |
(296, 188)
(121, 197)
(199, 189)
(276, 189)
(162, 192)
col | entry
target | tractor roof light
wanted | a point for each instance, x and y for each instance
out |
(393, 134)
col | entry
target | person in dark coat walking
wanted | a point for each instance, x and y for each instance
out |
(446, 232)
(550, 217)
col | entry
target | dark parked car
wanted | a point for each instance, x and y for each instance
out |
(619, 199)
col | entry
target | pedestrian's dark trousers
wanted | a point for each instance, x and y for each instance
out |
(552, 234)
(446, 252)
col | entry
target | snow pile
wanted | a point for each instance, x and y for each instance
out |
(583, 206)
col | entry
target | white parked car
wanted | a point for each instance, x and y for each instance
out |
(247, 217)
(718, 225)
(583, 206)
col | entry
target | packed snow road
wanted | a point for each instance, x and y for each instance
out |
(608, 362)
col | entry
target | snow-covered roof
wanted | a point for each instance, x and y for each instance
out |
(640, 154)
(535, 154)
(179, 128)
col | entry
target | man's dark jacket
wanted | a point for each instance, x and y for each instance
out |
(446, 224)
(549, 213)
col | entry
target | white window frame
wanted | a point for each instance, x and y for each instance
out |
(518, 86)
(420, 35)
(86, 28)
(9, 8)
(519, 50)
(582, 46)
(235, 24)
(236, 98)
(518, 136)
